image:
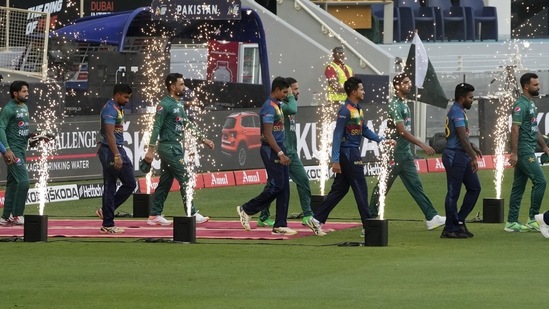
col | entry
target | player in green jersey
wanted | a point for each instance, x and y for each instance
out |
(170, 122)
(14, 135)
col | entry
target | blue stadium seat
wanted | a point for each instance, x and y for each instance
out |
(451, 20)
(483, 22)
(423, 19)
(377, 10)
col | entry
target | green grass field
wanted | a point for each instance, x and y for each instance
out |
(417, 269)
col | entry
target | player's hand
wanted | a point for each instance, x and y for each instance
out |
(474, 165)
(336, 168)
(284, 160)
(118, 162)
(208, 143)
(9, 157)
(428, 149)
(513, 158)
(149, 155)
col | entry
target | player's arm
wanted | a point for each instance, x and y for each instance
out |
(464, 139)
(342, 119)
(5, 116)
(513, 158)
(269, 138)
(401, 130)
(191, 126)
(290, 105)
(542, 144)
(159, 118)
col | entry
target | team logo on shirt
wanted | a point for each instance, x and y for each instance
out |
(533, 120)
(178, 119)
(21, 124)
(517, 109)
(159, 109)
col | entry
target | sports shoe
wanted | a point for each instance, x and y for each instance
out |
(515, 227)
(315, 226)
(532, 225)
(306, 219)
(266, 223)
(435, 222)
(158, 220)
(463, 228)
(111, 230)
(18, 220)
(283, 231)
(200, 218)
(5, 222)
(543, 227)
(99, 213)
(456, 234)
(244, 218)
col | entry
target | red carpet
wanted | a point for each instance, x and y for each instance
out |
(139, 229)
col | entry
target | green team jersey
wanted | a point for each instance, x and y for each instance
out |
(399, 112)
(289, 108)
(525, 115)
(14, 126)
(170, 122)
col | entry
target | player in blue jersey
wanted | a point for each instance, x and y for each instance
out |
(460, 161)
(116, 163)
(273, 154)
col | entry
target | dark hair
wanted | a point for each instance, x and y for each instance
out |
(291, 80)
(397, 80)
(351, 84)
(462, 90)
(279, 83)
(337, 48)
(526, 77)
(172, 79)
(122, 88)
(16, 86)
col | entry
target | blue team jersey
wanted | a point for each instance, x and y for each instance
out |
(112, 113)
(350, 128)
(456, 118)
(272, 113)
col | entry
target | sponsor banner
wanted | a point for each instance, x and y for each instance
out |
(91, 190)
(485, 163)
(221, 179)
(154, 183)
(177, 10)
(250, 177)
(421, 166)
(506, 163)
(315, 173)
(54, 194)
(199, 182)
(2, 197)
(435, 165)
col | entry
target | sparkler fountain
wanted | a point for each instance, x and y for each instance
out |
(506, 95)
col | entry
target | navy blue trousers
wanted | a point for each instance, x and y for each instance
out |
(278, 187)
(352, 175)
(112, 198)
(458, 171)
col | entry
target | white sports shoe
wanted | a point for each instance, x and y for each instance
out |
(543, 227)
(435, 222)
(4, 222)
(316, 227)
(244, 218)
(284, 231)
(158, 220)
(18, 220)
(200, 218)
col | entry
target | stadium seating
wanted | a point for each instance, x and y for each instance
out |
(482, 20)
(423, 18)
(451, 20)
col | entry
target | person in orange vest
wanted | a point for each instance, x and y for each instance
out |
(337, 72)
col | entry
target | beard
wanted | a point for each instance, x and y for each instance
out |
(23, 99)
(534, 93)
